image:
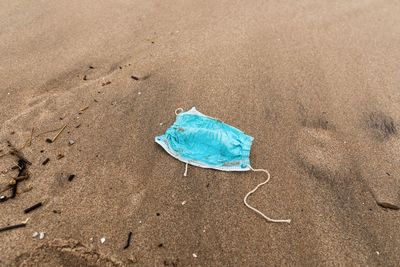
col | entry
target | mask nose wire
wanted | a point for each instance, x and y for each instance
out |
(254, 190)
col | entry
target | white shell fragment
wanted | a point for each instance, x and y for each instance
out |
(41, 235)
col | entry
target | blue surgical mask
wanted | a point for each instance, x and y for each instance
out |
(206, 142)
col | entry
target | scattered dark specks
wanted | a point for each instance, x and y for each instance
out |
(71, 177)
(12, 132)
(91, 67)
(57, 211)
(48, 140)
(152, 42)
(388, 174)
(106, 83)
(60, 156)
(45, 161)
(208, 185)
(41, 151)
(158, 214)
(120, 67)
(135, 78)
(370, 209)
(85, 78)
(160, 245)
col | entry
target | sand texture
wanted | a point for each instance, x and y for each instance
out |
(316, 83)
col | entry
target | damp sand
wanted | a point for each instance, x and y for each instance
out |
(315, 83)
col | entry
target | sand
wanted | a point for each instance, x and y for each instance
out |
(316, 83)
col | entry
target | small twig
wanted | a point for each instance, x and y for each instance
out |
(30, 139)
(128, 242)
(5, 189)
(14, 188)
(55, 137)
(83, 109)
(18, 179)
(50, 131)
(11, 227)
(37, 205)
(21, 178)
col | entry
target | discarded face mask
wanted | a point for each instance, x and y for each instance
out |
(206, 142)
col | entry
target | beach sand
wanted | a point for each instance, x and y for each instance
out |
(316, 83)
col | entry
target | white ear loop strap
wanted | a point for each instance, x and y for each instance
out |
(254, 190)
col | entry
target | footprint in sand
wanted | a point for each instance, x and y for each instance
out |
(61, 252)
(379, 158)
(322, 153)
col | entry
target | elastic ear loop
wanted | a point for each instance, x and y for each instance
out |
(186, 169)
(178, 110)
(254, 190)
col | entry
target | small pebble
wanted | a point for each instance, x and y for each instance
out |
(35, 234)
(194, 255)
(71, 142)
(377, 252)
(184, 202)
(161, 124)
(102, 240)
(3, 198)
(41, 235)
(71, 177)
